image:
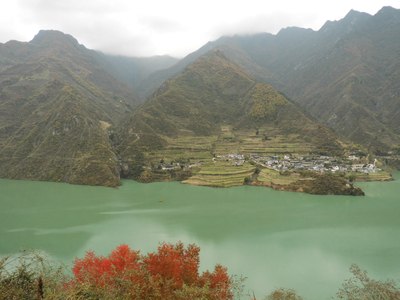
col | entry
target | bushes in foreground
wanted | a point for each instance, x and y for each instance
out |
(362, 287)
(170, 273)
(30, 275)
(283, 294)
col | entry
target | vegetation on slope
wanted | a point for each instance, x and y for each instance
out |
(214, 108)
(63, 140)
(265, 102)
(345, 74)
(62, 117)
(57, 106)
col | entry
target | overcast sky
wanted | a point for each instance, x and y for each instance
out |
(175, 27)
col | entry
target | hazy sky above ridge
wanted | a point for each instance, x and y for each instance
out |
(174, 27)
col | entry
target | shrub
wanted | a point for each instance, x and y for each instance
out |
(169, 273)
(29, 275)
(360, 286)
(283, 294)
(247, 180)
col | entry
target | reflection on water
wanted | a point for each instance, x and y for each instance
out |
(275, 239)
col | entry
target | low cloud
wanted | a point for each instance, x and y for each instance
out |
(176, 27)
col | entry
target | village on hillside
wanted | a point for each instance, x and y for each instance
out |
(289, 162)
(316, 163)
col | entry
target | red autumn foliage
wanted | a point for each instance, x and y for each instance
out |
(102, 271)
(218, 282)
(174, 263)
(172, 272)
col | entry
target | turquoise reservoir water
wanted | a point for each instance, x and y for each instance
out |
(275, 239)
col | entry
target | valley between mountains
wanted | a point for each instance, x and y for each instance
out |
(307, 111)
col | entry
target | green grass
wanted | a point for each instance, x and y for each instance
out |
(200, 149)
(221, 174)
(195, 149)
(274, 177)
(379, 176)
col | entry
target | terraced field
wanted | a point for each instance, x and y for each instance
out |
(202, 153)
(379, 176)
(268, 176)
(226, 142)
(249, 142)
(187, 148)
(221, 174)
(229, 141)
(275, 145)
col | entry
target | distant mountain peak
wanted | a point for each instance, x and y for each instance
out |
(293, 31)
(355, 16)
(387, 9)
(354, 13)
(352, 19)
(388, 12)
(48, 37)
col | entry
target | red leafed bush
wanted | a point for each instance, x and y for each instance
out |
(169, 273)
(122, 263)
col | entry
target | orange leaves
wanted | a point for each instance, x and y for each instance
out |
(161, 275)
(218, 282)
(124, 259)
(101, 271)
(175, 263)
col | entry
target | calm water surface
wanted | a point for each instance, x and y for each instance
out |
(275, 239)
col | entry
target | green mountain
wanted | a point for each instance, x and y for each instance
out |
(75, 115)
(345, 74)
(214, 108)
(56, 105)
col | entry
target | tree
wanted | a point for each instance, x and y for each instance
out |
(30, 275)
(360, 286)
(351, 178)
(137, 165)
(257, 170)
(283, 294)
(172, 272)
(101, 271)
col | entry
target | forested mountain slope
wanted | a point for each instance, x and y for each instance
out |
(346, 74)
(56, 103)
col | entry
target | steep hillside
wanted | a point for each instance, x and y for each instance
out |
(56, 103)
(70, 114)
(345, 74)
(200, 98)
(214, 108)
(64, 139)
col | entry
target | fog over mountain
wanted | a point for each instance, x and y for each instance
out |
(154, 27)
(344, 74)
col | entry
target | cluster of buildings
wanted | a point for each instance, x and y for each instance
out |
(177, 166)
(236, 159)
(316, 163)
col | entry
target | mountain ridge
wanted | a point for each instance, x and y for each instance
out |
(71, 114)
(326, 71)
(55, 100)
(210, 94)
